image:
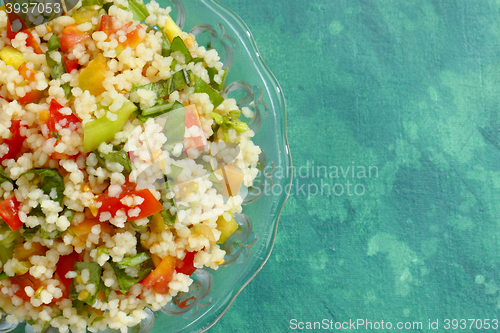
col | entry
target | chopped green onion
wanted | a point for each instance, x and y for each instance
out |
(240, 126)
(158, 110)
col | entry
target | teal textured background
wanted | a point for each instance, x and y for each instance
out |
(410, 89)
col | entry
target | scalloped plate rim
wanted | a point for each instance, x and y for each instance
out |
(281, 96)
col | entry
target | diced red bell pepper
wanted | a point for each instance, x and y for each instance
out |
(26, 73)
(64, 265)
(57, 117)
(186, 266)
(70, 64)
(15, 142)
(30, 40)
(23, 281)
(72, 36)
(147, 208)
(31, 97)
(133, 37)
(9, 211)
(161, 276)
(192, 118)
(29, 75)
(108, 25)
(26, 280)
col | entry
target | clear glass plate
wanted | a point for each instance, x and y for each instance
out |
(252, 84)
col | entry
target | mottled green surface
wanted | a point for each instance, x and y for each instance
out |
(411, 89)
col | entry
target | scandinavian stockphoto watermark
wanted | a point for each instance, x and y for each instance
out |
(325, 180)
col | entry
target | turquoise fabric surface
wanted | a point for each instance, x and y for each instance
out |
(406, 93)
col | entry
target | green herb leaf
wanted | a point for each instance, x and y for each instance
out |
(53, 43)
(67, 89)
(138, 9)
(120, 157)
(178, 45)
(8, 252)
(211, 73)
(106, 6)
(3, 176)
(70, 214)
(103, 287)
(95, 271)
(37, 211)
(201, 86)
(165, 46)
(49, 179)
(172, 65)
(126, 281)
(168, 217)
(133, 260)
(29, 233)
(8, 236)
(50, 235)
(57, 69)
(3, 276)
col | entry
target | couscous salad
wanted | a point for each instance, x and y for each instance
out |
(121, 165)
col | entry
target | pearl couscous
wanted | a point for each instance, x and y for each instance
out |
(121, 165)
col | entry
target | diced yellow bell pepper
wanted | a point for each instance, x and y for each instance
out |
(226, 228)
(22, 254)
(232, 178)
(12, 57)
(92, 76)
(204, 230)
(172, 30)
(83, 15)
(157, 224)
